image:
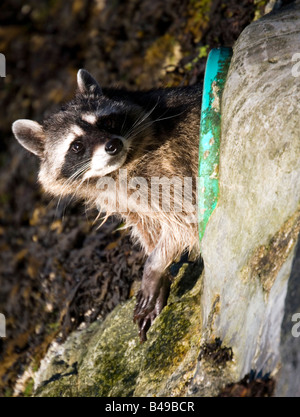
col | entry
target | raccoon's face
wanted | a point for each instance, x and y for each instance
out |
(89, 138)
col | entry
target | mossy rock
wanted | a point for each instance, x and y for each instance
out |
(107, 358)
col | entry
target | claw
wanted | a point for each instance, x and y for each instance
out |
(144, 303)
(144, 327)
(147, 308)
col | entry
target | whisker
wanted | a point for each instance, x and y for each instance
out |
(147, 114)
(142, 118)
(124, 122)
(85, 166)
(85, 207)
(74, 194)
(146, 125)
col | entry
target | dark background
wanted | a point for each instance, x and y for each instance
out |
(57, 269)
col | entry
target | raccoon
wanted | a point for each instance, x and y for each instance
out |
(112, 147)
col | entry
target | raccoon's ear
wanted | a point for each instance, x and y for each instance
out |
(87, 84)
(30, 134)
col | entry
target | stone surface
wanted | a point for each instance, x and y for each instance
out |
(288, 384)
(107, 359)
(249, 241)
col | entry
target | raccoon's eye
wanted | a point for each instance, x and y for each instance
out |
(77, 147)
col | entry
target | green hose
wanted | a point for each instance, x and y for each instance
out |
(210, 131)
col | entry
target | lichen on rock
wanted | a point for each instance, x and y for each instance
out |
(107, 358)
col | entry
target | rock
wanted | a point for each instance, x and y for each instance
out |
(92, 362)
(107, 359)
(288, 384)
(221, 324)
(249, 242)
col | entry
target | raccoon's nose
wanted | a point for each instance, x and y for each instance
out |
(114, 146)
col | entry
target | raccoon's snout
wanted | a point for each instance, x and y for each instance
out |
(114, 146)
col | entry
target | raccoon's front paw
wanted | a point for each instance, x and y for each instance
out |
(145, 323)
(145, 303)
(148, 307)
